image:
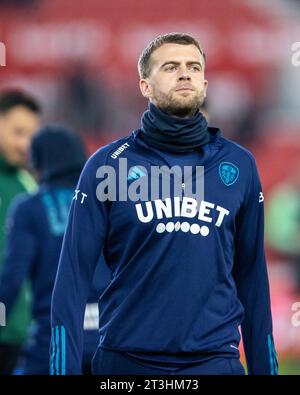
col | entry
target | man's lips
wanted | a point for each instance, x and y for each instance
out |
(184, 89)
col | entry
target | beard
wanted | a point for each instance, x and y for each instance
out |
(182, 107)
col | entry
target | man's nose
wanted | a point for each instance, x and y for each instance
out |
(184, 75)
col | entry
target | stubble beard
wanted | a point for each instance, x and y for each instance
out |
(186, 107)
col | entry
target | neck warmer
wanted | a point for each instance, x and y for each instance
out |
(169, 133)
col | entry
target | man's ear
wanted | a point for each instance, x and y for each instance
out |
(145, 88)
(205, 87)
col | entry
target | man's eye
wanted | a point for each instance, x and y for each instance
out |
(195, 68)
(170, 68)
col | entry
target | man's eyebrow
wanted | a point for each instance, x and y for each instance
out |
(178, 63)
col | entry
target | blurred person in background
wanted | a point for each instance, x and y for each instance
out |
(186, 272)
(36, 225)
(86, 101)
(283, 220)
(19, 121)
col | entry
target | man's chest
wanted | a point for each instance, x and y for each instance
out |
(183, 198)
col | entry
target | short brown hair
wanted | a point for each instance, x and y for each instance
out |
(169, 38)
(13, 98)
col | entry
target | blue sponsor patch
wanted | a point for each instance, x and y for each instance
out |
(228, 172)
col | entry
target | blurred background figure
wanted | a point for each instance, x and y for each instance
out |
(19, 121)
(80, 63)
(36, 225)
(86, 99)
(283, 221)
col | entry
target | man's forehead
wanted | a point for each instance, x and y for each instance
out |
(176, 52)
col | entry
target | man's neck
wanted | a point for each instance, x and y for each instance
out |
(190, 115)
(5, 164)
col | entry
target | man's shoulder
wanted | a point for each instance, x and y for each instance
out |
(241, 153)
(110, 151)
(23, 204)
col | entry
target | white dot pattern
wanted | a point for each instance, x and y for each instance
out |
(184, 227)
(195, 228)
(160, 228)
(170, 227)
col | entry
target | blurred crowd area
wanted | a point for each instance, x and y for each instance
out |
(79, 60)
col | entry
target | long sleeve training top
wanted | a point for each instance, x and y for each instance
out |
(186, 273)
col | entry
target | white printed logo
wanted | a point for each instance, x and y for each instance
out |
(119, 151)
(186, 208)
(261, 197)
(82, 195)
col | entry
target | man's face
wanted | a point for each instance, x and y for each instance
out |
(176, 82)
(17, 128)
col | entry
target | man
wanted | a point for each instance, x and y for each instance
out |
(19, 120)
(37, 223)
(186, 272)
